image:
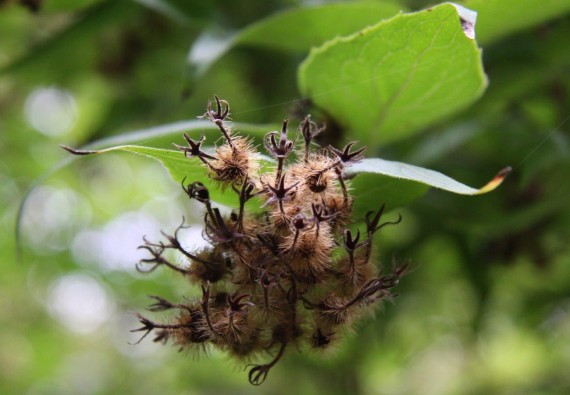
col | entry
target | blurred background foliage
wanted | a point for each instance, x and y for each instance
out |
(486, 309)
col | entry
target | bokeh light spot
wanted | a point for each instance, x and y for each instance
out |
(51, 111)
(80, 303)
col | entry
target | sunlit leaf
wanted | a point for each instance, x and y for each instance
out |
(389, 81)
(181, 168)
(378, 181)
(159, 136)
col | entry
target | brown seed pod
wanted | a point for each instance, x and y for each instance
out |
(284, 273)
(234, 163)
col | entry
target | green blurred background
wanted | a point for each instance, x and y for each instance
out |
(485, 310)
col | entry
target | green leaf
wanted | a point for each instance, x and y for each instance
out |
(389, 81)
(162, 135)
(190, 169)
(499, 18)
(302, 28)
(295, 30)
(378, 181)
(373, 190)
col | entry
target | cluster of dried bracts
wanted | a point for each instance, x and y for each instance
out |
(269, 280)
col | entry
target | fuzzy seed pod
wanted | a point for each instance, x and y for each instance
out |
(234, 164)
(316, 173)
(284, 273)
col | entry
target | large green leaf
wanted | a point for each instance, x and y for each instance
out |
(389, 81)
(296, 29)
(378, 181)
(499, 18)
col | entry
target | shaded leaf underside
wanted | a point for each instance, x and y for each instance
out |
(296, 29)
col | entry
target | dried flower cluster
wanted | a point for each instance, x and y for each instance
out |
(277, 278)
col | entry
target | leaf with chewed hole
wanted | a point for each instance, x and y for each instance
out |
(500, 18)
(389, 81)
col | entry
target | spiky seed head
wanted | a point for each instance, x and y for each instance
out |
(273, 277)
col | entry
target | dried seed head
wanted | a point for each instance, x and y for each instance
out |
(194, 148)
(316, 173)
(335, 310)
(309, 254)
(309, 130)
(279, 147)
(209, 266)
(286, 273)
(299, 222)
(346, 156)
(196, 190)
(235, 163)
(192, 328)
(220, 113)
(321, 340)
(354, 271)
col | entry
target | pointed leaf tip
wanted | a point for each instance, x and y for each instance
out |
(405, 171)
(496, 181)
(78, 151)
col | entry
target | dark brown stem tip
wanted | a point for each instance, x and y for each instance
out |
(504, 172)
(346, 156)
(79, 152)
(257, 374)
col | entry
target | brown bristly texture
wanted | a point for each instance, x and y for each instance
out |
(234, 164)
(269, 281)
